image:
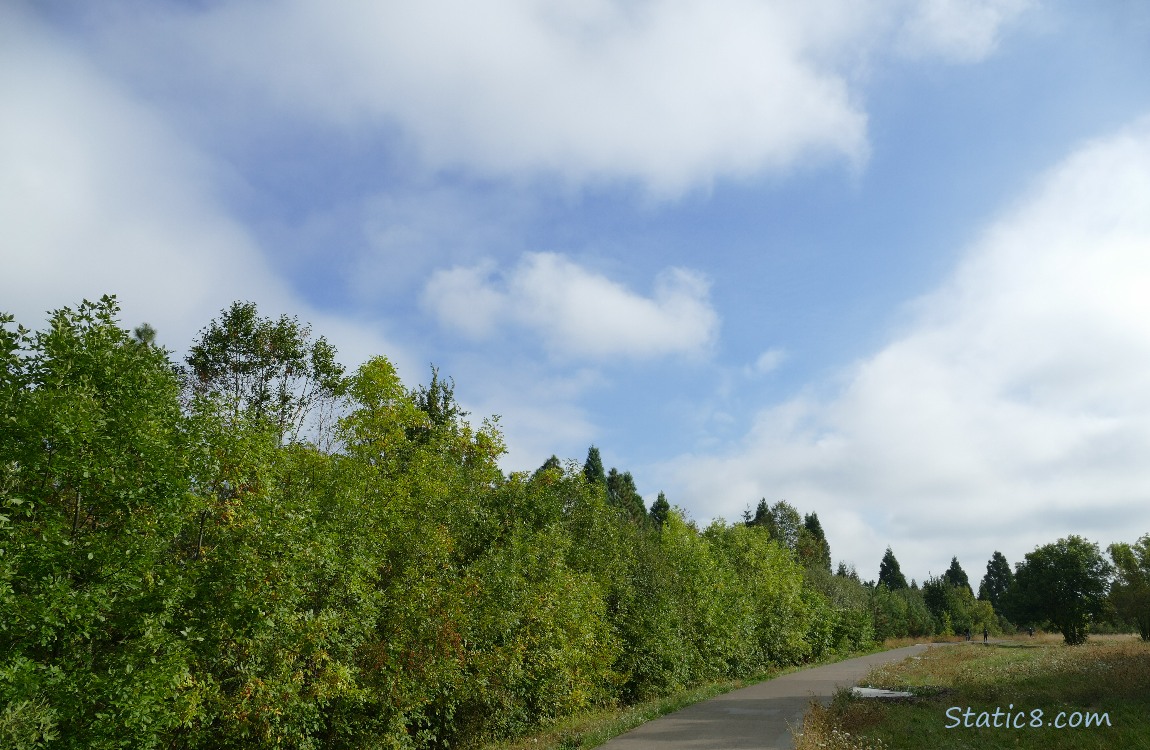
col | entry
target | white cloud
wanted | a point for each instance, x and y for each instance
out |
(576, 312)
(768, 361)
(1012, 411)
(99, 195)
(957, 30)
(671, 95)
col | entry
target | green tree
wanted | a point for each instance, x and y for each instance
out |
(949, 603)
(437, 400)
(264, 369)
(955, 575)
(622, 493)
(94, 483)
(813, 549)
(593, 468)
(889, 572)
(761, 516)
(997, 580)
(1063, 583)
(1130, 592)
(659, 510)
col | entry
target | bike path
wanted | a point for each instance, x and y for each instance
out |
(759, 716)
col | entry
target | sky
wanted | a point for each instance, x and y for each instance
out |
(886, 260)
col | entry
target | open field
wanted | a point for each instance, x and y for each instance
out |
(1027, 693)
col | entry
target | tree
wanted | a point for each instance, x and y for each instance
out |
(812, 547)
(593, 468)
(94, 488)
(1130, 592)
(950, 604)
(1063, 583)
(437, 400)
(659, 510)
(889, 573)
(997, 580)
(761, 517)
(955, 575)
(781, 520)
(622, 493)
(271, 371)
(145, 334)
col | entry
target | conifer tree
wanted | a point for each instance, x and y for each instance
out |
(813, 543)
(621, 491)
(593, 467)
(997, 580)
(889, 572)
(659, 510)
(955, 575)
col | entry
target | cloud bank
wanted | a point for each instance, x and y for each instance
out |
(1011, 411)
(671, 96)
(100, 195)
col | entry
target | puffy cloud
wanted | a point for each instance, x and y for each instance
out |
(671, 95)
(1011, 411)
(576, 312)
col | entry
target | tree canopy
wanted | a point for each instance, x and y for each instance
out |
(997, 581)
(1130, 592)
(889, 572)
(1063, 583)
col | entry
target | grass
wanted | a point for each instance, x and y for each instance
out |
(592, 729)
(1109, 675)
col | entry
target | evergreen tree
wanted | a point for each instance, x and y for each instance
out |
(813, 546)
(889, 573)
(997, 580)
(593, 468)
(621, 492)
(145, 334)
(762, 516)
(955, 575)
(659, 510)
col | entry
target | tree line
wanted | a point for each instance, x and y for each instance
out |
(1067, 586)
(256, 548)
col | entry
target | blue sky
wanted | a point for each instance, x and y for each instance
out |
(886, 260)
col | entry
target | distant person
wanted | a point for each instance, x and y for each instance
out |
(1031, 631)
(968, 634)
(985, 635)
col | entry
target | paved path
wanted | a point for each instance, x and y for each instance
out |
(756, 716)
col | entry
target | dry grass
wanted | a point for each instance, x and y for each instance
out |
(1110, 674)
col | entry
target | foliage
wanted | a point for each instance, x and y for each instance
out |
(955, 575)
(659, 510)
(1063, 583)
(178, 568)
(264, 369)
(813, 549)
(593, 467)
(1130, 591)
(94, 479)
(997, 580)
(889, 572)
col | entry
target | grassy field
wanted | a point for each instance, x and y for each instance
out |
(1045, 695)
